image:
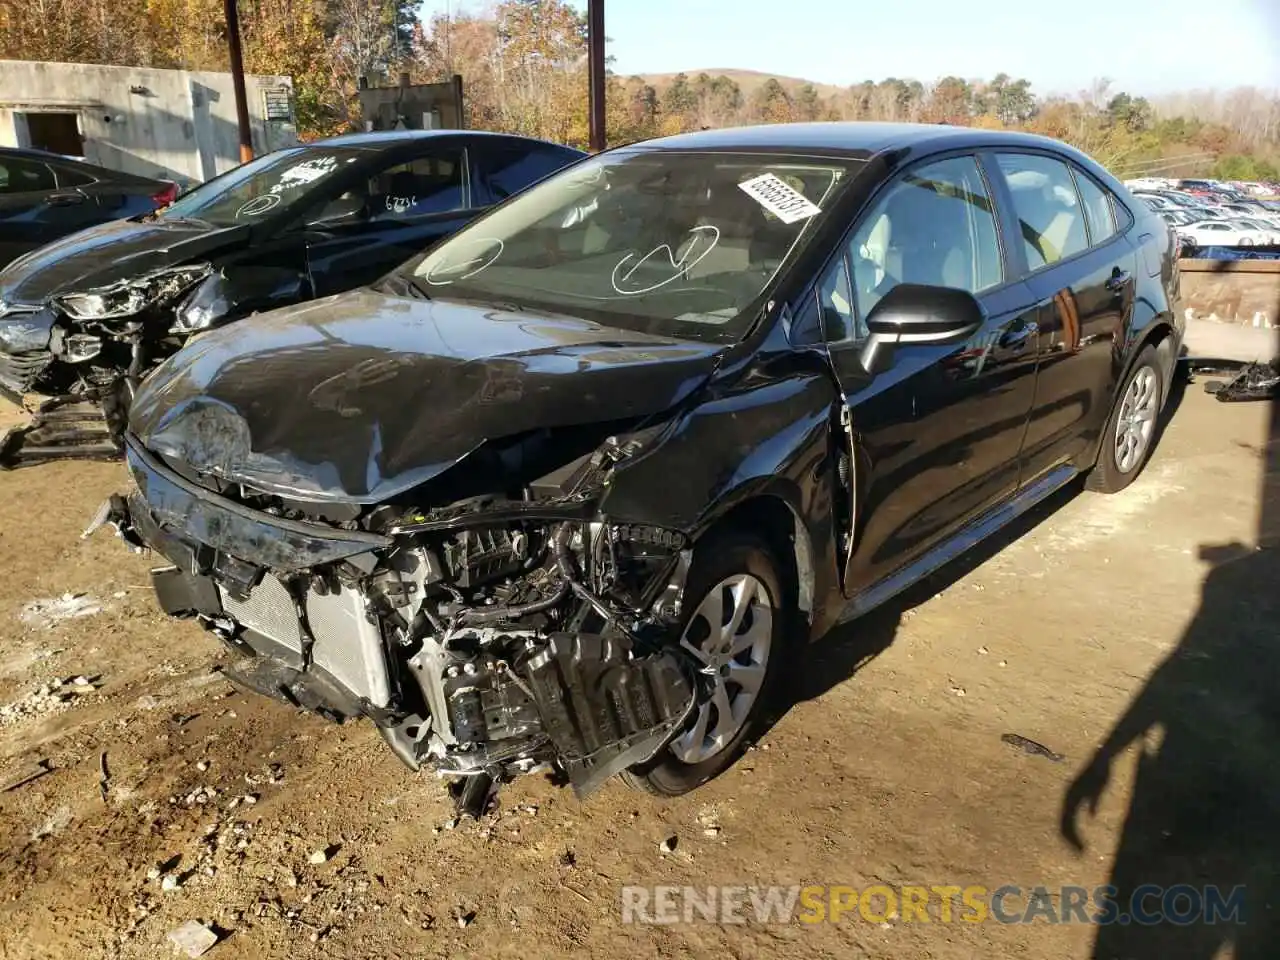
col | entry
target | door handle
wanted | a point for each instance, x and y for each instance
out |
(1016, 338)
(1117, 281)
(65, 199)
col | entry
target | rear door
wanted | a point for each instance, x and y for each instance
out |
(939, 434)
(27, 218)
(1069, 239)
(115, 196)
(409, 204)
(79, 201)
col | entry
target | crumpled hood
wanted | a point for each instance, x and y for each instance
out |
(358, 397)
(109, 253)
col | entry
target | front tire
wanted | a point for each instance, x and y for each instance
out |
(1130, 435)
(736, 622)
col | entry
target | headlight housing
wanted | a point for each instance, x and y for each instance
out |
(130, 297)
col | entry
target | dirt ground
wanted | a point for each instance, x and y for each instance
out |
(888, 767)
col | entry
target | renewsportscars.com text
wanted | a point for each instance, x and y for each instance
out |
(1182, 904)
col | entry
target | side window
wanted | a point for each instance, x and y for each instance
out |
(418, 188)
(67, 177)
(506, 170)
(1097, 209)
(24, 176)
(934, 226)
(1047, 207)
(835, 305)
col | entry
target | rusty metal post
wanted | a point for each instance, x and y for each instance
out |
(595, 73)
(237, 80)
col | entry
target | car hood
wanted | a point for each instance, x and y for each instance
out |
(359, 397)
(109, 253)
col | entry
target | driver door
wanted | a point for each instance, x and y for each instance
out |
(937, 435)
(387, 218)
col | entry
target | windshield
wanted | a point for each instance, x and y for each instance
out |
(670, 243)
(270, 184)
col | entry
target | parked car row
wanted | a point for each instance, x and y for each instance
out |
(571, 485)
(1205, 213)
(1235, 189)
(44, 196)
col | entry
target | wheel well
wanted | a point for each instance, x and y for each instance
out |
(773, 519)
(1159, 337)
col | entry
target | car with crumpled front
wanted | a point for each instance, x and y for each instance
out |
(573, 488)
(84, 319)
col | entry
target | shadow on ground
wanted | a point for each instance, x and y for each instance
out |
(1202, 827)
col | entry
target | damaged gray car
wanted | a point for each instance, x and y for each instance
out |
(570, 490)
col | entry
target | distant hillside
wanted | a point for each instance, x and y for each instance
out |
(747, 80)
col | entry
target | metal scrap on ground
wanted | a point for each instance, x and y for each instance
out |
(1032, 747)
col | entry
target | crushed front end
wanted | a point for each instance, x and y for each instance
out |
(486, 638)
(74, 360)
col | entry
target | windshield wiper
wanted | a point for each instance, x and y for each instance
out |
(399, 285)
(193, 221)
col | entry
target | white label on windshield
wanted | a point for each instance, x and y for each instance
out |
(783, 201)
(308, 171)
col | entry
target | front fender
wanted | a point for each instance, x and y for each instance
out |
(761, 438)
(238, 290)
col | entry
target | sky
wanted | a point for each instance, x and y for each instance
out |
(1146, 47)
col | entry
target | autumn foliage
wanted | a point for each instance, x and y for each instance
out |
(524, 68)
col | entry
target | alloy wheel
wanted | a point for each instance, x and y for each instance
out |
(730, 634)
(1137, 420)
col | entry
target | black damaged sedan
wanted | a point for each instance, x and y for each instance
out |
(84, 319)
(574, 488)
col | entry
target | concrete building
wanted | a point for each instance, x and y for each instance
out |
(405, 106)
(169, 123)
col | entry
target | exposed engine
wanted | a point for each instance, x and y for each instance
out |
(529, 641)
(486, 639)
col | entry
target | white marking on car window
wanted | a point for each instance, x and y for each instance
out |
(259, 205)
(702, 241)
(468, 267)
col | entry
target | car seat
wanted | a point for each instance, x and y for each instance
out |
(928, 240)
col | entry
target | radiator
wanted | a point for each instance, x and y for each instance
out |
(347, 645)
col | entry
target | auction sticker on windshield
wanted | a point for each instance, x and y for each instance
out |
(782, 200)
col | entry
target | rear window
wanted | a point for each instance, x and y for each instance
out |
(71, 177)
(1047, 205)
(506, 170)
(1098, 212)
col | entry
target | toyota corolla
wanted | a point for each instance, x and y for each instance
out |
(573, 488)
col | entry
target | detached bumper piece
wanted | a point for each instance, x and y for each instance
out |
(61, 428)
(72, 427)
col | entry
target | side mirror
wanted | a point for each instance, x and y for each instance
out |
(916, 313)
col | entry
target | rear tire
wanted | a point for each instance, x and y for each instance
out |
(1131, 429)
(747, 651)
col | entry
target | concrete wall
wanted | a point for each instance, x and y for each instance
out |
(1245, 292)
(170, 123)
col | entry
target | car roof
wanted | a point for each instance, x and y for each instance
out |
(386, 138)
(31, 153)
(858, 139)
(100, 172)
